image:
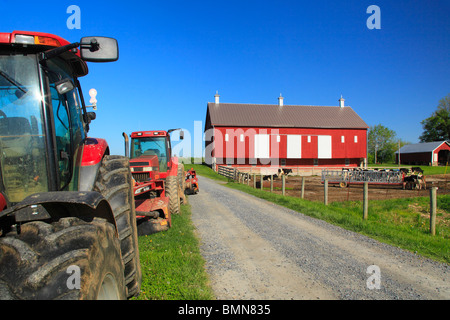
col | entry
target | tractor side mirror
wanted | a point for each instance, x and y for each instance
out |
(99, 49)
(181, 135)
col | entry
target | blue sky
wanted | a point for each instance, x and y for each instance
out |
(174, 55)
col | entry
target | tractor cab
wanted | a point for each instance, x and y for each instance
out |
(151, 150)
(43, 119)
(151, 154)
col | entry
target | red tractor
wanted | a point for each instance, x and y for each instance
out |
(158, 177)
(67, 216)
(191, 182)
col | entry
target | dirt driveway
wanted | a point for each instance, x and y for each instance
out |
(257, 250)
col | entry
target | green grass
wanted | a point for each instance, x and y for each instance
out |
(171, 263)
(206, 171)
(400, 222)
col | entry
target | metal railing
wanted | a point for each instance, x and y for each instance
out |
(361, 176)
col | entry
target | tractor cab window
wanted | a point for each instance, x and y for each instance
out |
(22, 135)
(150, 146)
(68, 122)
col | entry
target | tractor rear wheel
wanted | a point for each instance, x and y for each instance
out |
(114, 182)
(181, 175)
(66, 260)
(172, 191)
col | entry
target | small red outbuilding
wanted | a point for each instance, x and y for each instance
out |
(426, 153)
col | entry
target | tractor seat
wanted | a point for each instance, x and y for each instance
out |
(152, 152)
(15, 137)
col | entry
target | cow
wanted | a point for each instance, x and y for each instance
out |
(417, 169)
(414, 181)
(404, 170)
(409, 182)
(268, 177)
(284, 171)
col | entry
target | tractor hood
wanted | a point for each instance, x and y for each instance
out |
(145, 161)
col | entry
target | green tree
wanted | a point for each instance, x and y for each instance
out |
(437, 127)
(382, 144)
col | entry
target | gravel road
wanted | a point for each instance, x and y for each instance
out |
(257, 250)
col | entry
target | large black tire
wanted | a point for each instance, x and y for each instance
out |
(115, 184)
(172, 191)
(181, 176)
(44, 261)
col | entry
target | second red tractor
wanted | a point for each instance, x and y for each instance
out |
(159, 179)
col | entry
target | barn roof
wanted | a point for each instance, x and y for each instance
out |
(421, 147)
(288, 116)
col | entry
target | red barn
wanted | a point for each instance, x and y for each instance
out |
(291, 136)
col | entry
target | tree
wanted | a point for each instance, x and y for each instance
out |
(382, 143)
(437, 127)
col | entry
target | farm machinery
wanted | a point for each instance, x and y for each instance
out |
(407, 178)
(159, 179)
(67, 217)
(191, 182)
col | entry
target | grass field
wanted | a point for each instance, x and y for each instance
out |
(171, 263)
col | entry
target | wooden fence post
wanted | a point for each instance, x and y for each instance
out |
(366, 201)
(261, 186)
(325, 192)
(303, 187)
(433, 206)
(283, 184)
(271, 183)
(248, 179)
(254, 180)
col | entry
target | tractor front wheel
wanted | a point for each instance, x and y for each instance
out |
(114, 182)
(172, 191)
(66, 260)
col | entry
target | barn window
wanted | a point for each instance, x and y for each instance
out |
(342, 139)
(278, 138)
(324, 147)
(356, 139)
(309, 138)
(316, 162)
(283, 162)
(242, 137)
(347, 162)
(226, 137)
(294, 147)
(262, 146)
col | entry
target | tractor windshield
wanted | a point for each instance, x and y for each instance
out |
(150, 146)
(22, 141)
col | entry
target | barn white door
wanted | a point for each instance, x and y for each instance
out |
(324, 147)
(262, 146)
(294, 147)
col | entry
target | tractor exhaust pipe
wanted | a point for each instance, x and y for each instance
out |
(127, 145)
